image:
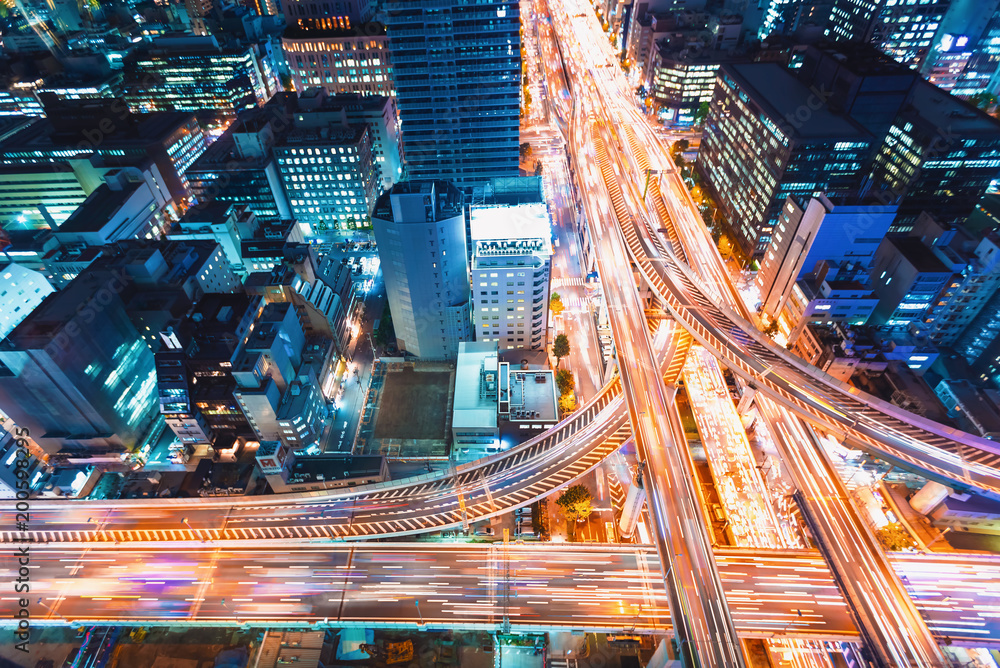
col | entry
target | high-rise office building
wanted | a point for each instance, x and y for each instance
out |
(511, 251)
(194, 370)
(756, 150)
(21, 290)
(457, 71)
(855, 125)
(907, 277)
(239, 168)
(195, 74)
(327, 14)
(376, 111)
(56, 162)
(933, 151)
(340, 60)
(330, 175)
(791, 239)
(975, 280)
(963, 58)
(420, 230)
(903, 30)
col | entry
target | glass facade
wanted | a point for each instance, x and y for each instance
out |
(169, 79)
(904, 29)
(331, 181)
(457, 70)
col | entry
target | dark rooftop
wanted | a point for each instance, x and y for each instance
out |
(318, 468)
(98, 208)
(919, 255)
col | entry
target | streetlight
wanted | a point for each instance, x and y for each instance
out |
(51, 610)
(185, 522)
(785, 630)
(939, 536)
(635, 621)
(667, 574)
(234, 613)
(416, 602)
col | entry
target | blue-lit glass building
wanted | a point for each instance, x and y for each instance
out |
(77, 373)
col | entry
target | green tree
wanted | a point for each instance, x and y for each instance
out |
(567, 404)
(286, 81)
(560, 348)
(526, 150)
(564, 381)
(894, 537)
(701, 114)
(983, 100)
(680, 146)
(771, 329)
(576, 503)
(556, 304)
(679, 160)
(538, 168)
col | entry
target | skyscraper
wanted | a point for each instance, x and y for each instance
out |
(420, 230)
(457, 70)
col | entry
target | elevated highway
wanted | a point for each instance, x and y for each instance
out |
(603, 588)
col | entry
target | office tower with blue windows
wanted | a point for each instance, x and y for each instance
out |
(457, 71)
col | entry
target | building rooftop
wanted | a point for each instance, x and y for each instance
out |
(99, 208)
(524, 221)
(533, 391)
(783, 97)
(333, 134)
(135, 130)
(475, 403)
(944, 110)
(976, 406)
(222, 154)
(920, 256)
(320, 468)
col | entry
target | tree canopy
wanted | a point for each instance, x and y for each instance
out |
(560, 347)
(576, 503)
(556, 304)
(565, 381)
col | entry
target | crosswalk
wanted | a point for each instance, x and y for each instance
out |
(568, 282)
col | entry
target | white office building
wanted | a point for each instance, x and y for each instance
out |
(511, 254)
(420, 230)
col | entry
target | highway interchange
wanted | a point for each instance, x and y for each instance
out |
(178, 560)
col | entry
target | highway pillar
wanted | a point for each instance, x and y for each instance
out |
(632, 509)
(746, 401)
(929, 496)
